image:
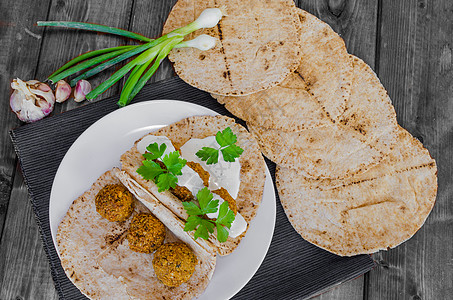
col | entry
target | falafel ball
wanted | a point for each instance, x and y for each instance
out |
(146, 233)
(114, 202)
(174, 263)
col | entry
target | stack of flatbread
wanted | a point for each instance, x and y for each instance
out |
(350, 179)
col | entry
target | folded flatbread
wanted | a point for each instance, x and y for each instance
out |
(252, 173)
(96, 257)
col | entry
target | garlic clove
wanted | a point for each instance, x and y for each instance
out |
(32, 100)
(62, 91)
(82, 88)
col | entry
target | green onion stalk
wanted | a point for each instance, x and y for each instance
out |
(146, 59)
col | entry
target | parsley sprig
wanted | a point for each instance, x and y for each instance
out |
(164, 177)
(227, 142)
(206, 226)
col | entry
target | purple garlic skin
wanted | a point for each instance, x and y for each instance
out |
(31, 100)
(82, 88)
(62, 91)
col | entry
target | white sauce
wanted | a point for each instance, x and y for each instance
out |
(151, 139)
(189, 178)
(238, 226)
(223, 174)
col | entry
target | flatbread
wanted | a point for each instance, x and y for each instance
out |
(363, 136)
(96, 257)
(287, 107)
(369, 109)
(332, 151)
(368, 212)
(258, 45)
(252, 174)
(325, 65)
(325, 73)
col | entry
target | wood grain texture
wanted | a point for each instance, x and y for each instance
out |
(416, 68)
(351, 290)
(18, 58)
(24, 268)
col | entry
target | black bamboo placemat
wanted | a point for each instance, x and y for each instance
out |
(292, 269)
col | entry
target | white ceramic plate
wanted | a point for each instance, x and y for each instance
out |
(99, 148)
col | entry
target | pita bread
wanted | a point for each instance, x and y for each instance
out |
(96, 257)
(286, 107)
(332, 151)
(371, 211)
(258, 45)
(369, 110)
(325, 72)
(364, 135)
(325, 65)
(252, 174)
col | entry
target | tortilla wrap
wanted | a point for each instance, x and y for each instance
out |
(252, 173)
(96, 257)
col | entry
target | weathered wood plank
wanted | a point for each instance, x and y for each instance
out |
(416, 67)
(18, 58)
(351, 290)
(24, 268)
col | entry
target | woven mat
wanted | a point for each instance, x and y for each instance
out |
(292, 269)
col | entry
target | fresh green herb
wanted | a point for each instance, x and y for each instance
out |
(226, 140)
(154, 151)
(164, 177)
(205, 226)
(141, 68)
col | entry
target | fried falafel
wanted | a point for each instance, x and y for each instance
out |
(174, 263)
(223, 193)
(146, 233)
(204, 175)
(114, 202)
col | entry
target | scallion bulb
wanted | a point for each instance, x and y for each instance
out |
(209, 17)
(203, 42)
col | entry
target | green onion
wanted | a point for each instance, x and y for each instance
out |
(111, 62)
(131, 82)
(150, 54)
(141, 83)
(95, 27)
(87, 64)
(136, 85)
(85, 56)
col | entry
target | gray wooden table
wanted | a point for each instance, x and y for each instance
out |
(409, 43)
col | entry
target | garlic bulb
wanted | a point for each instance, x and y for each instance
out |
(62, 91)
(82, 88)
(31, 100)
